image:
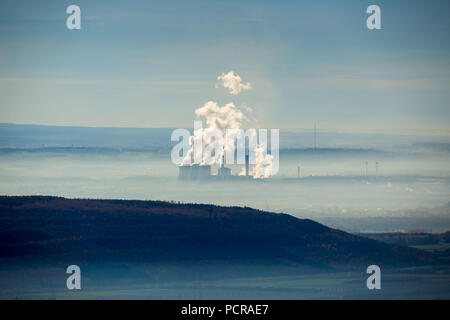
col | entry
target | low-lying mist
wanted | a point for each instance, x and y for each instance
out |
(347, 176)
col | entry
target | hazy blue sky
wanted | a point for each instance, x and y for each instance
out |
(150, 64)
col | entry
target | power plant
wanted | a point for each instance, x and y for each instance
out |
(195, 172)
(203, 172)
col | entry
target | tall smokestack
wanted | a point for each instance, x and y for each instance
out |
(246, 165)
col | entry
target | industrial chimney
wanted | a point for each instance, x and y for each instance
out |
(246, 165)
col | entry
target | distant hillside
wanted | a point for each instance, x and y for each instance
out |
(415, 239)
(30, 136)
(410, 238)
(37, 136)
(51, 228)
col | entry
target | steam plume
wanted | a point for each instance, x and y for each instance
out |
(233, 83)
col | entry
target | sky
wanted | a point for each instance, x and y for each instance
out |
(152, 63)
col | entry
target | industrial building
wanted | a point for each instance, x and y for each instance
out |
(203, 172)
(194, 172)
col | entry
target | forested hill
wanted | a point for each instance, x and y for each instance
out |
(52, 228)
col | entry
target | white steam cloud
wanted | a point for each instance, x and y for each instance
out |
(222, 118)
(263, 166)
(233, 83)
(225, 119)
